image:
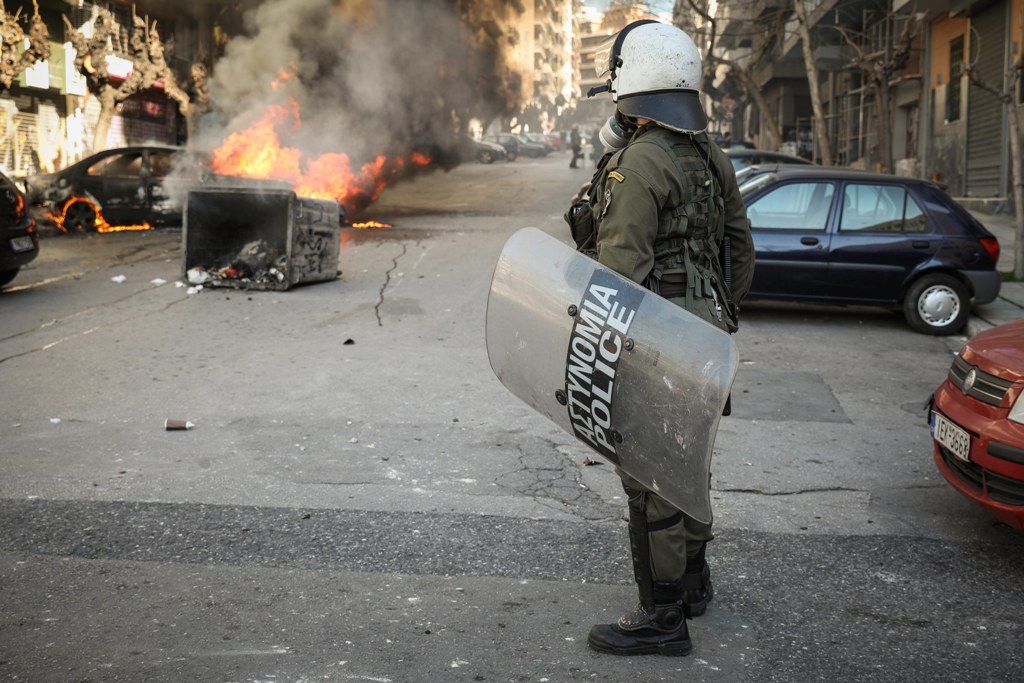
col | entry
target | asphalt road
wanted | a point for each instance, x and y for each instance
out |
(361, 500)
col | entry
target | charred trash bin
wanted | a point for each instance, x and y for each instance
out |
(267, 239)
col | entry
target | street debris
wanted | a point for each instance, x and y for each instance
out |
(178, 425)
(256, 262)
(197, 276)
(119, 279)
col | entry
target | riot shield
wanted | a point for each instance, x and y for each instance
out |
(637, 378)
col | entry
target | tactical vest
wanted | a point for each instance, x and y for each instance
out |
(687, 246)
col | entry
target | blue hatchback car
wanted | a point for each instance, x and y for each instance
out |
(830, 235)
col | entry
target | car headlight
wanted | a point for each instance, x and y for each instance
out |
(1017, 410)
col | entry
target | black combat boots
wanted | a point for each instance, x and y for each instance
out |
(638, 632)
(697, 588)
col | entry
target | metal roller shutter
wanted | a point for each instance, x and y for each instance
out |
(986, 151)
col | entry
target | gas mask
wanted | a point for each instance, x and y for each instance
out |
(616, 132)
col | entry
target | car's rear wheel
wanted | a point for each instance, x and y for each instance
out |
(937, 304)
(486, 157)
(7, 275)
(79, 216)
(511, 156)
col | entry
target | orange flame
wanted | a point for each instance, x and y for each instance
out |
(257, 152)
(371, 224)
(100, 223)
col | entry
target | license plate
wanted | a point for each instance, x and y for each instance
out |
(20, 244)
(957, 440)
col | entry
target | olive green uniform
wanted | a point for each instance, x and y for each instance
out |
(662, 208)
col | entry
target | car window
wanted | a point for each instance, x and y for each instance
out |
(880, 208)
(162, 163)
(794, 206)
(118, 166)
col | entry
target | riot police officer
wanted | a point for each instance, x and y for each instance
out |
(664, 210)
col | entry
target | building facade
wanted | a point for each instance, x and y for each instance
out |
(893, 83)
(47, 117)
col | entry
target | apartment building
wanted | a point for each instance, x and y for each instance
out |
(909, 60)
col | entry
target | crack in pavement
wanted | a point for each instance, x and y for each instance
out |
(57, 321)
(560, 481)
(387, 281)
(826, 489)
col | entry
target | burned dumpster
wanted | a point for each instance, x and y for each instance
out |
(253, 238)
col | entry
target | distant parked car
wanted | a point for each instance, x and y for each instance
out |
(742, 157)
(823, 234)
(122, 186)
(977, 422)
(507, 140)
(20, 241)
(471, 149)
(529, 148)
(542, 140)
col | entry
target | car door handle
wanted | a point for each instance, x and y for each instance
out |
(809, 241)
(920, 244)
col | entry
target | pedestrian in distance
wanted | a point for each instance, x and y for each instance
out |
(664, 211)
(576, 141)
(596, 147)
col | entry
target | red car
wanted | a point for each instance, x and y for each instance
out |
(977, 422)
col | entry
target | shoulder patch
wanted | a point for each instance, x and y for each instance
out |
(617, 176)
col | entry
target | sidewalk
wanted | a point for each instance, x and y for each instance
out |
(1009, 305)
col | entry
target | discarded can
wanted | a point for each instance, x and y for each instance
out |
(176, 425)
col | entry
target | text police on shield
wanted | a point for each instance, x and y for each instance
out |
(597, 340)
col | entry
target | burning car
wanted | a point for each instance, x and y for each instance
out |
(20, 242)
(119, 189)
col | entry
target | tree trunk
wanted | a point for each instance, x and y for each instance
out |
(824, 143)
(772, 127)
(1017, 168)
(102, 131)
(884, 127)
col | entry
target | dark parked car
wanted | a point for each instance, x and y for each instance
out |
(122, 186)
(508, 141)
(21, 243)
(471, 149)
(742, 157)
(839, 236)
(529, 148)
(977, 422)
(542, 140)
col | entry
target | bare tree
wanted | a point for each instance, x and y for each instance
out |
(803, 26)
(13, 57)
(146, 52)
(1011, 76)
(742, 69)
(200, 102)
(878, 69)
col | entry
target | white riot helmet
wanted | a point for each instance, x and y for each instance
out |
(654, 71)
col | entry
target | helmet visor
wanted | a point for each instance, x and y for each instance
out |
(675, 109)
(603, 57)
